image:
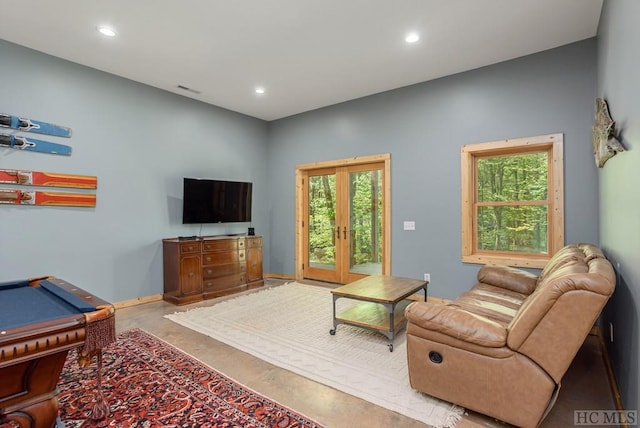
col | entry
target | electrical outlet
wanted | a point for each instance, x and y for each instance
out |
(427, 277)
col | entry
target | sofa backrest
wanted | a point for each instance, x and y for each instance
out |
(568, 254)
(554, 320)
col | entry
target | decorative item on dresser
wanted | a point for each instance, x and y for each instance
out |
(211, 266)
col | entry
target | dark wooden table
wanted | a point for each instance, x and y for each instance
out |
(382, 300)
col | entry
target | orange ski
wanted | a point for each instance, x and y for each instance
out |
(37, 197)
(50, 179)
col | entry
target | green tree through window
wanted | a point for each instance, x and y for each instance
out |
(322, 218)
(512, 195)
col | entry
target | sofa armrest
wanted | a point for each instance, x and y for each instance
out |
(457, 323)
(508, 278)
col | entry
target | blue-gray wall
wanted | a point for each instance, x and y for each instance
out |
(618, 83)
(140, 142)
(423, 127)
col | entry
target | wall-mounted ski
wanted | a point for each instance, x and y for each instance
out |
(33, 145)
(36, 197)
(50, 179)
(32, 125)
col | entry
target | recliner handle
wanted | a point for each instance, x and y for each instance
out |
(435, 357)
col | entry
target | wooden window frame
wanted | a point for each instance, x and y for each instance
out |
(553, 145)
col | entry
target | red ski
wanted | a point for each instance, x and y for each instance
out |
(50, 179)
(36, 197)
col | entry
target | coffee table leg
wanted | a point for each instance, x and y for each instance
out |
(391, 308)
(335, 324)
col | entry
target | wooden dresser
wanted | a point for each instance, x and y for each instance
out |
(210, 266)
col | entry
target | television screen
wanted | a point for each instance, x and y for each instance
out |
(215, 201)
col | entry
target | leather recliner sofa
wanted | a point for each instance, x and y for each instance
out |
(502, 348)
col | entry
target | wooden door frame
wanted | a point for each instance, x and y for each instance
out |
(301, 198)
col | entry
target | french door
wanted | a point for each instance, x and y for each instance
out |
(343, 215)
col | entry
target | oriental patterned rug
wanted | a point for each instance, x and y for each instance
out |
(150, 383)
(288, 326)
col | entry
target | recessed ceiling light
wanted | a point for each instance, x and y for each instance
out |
(412, 38)
(106, 31)
(260, 91)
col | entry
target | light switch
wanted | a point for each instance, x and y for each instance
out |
(409, 225)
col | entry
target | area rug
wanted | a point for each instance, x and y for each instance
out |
(288, 326)
(150, 383)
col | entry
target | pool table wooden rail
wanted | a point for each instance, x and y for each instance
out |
(22, 344)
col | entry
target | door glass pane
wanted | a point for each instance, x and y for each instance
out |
(322, 221)
(365, 222)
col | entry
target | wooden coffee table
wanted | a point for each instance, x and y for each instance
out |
(383, 300)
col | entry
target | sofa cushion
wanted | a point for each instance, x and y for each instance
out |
(507, 296)
(486, 307)
(509, 278)
(457, 323)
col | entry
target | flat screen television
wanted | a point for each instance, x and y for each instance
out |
(216, 201)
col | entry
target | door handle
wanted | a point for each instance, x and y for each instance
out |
(345, 232)
(338, 232)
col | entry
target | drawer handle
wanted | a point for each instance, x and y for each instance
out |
(208, 259)
(189, 248)
(192, 274)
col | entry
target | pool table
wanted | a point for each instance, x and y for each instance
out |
(41, 319)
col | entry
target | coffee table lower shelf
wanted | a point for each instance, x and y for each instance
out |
(385, 318)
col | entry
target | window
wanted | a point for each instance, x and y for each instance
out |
(512, 201)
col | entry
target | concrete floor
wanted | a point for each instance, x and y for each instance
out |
(585, 385)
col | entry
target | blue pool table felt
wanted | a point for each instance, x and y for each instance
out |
(21, 304)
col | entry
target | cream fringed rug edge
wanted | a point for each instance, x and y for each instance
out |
(288, 326)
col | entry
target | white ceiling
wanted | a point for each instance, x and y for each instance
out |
(307, 54)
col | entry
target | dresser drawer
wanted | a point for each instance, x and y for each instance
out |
(189, 247)
(223, 270)
(222, 244)
(222, 258)
(224, 282)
